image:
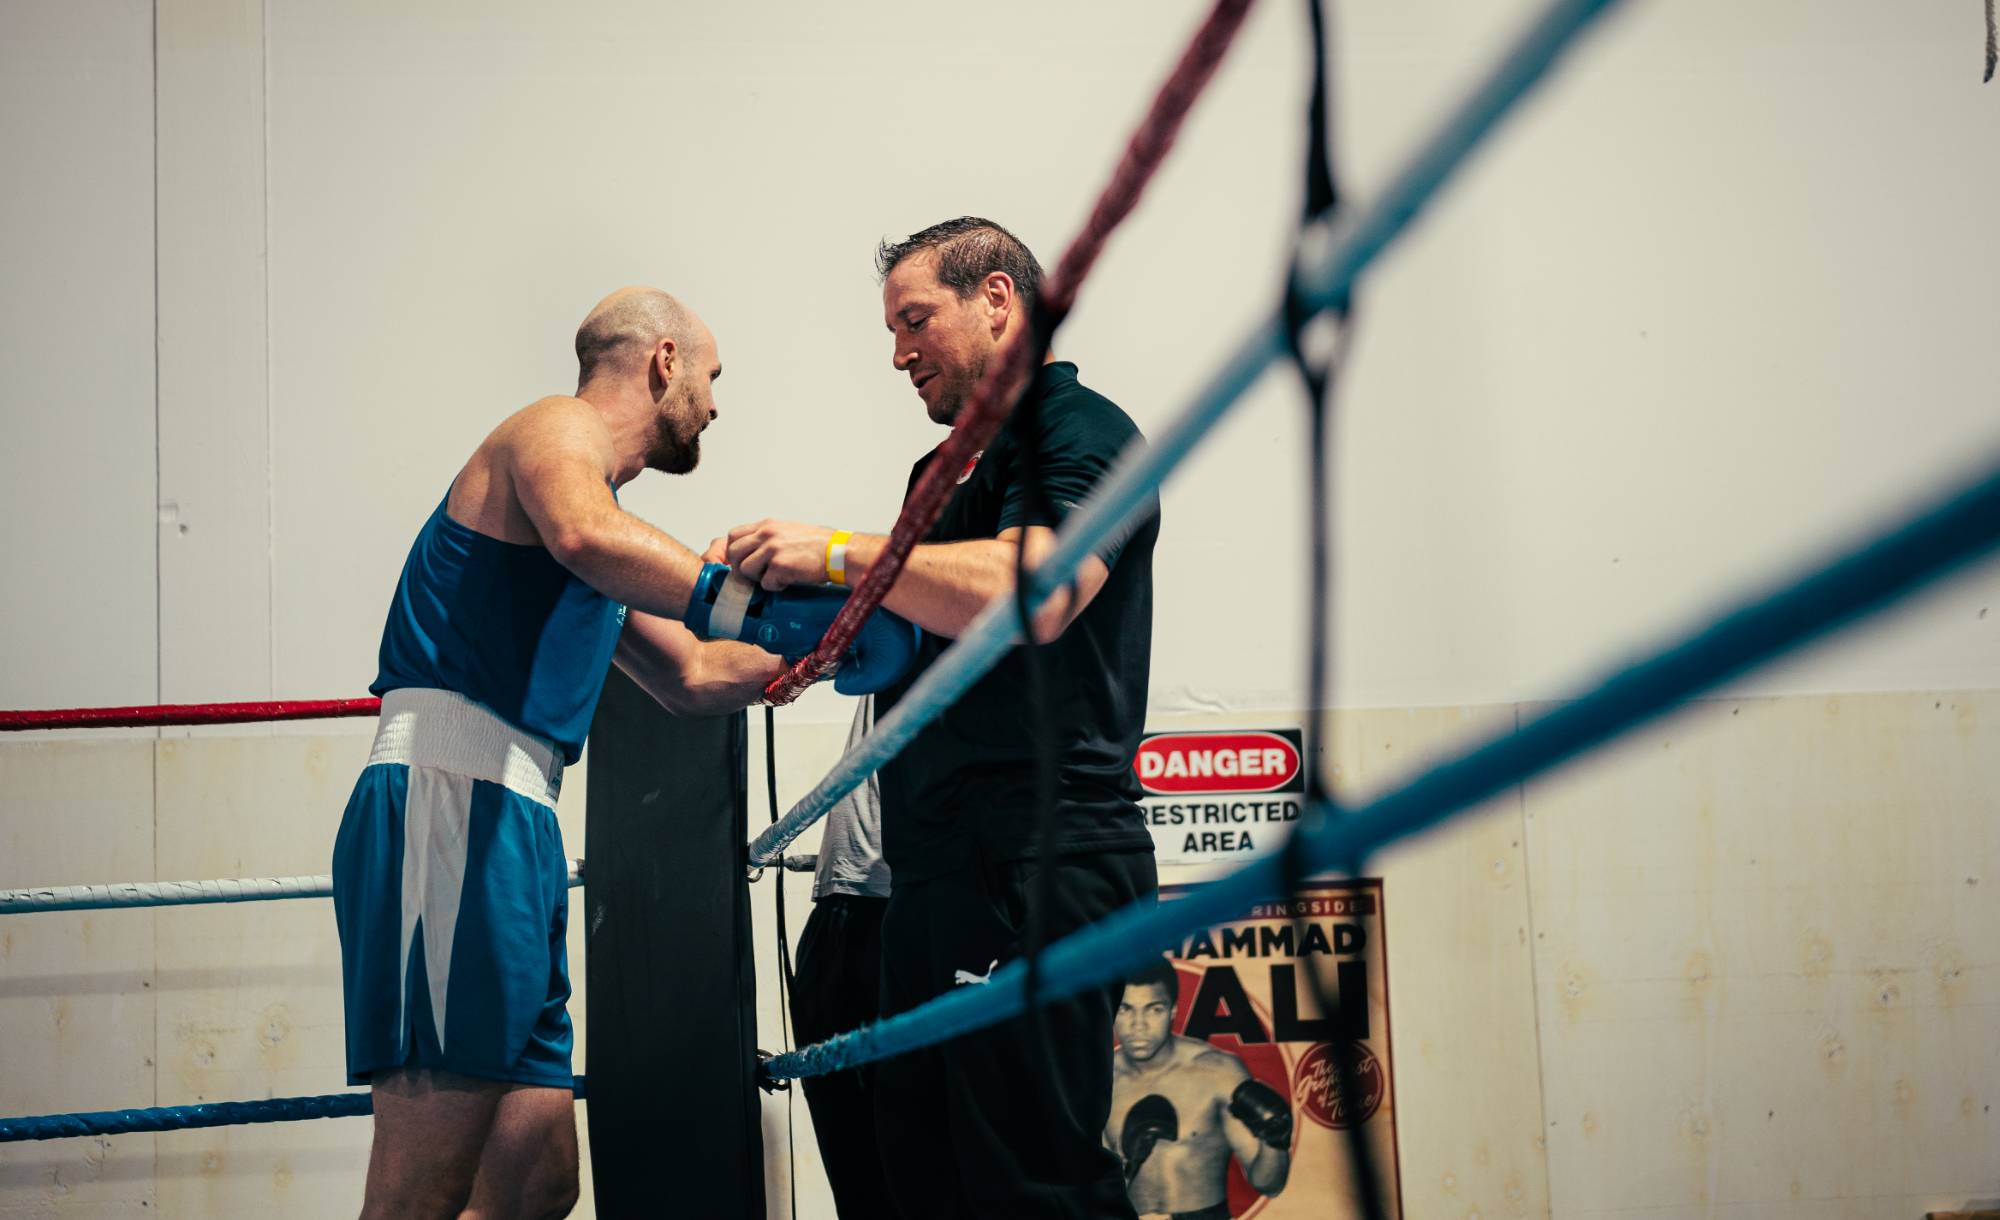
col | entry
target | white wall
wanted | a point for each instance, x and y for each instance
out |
(1718, 297)
(76, 354)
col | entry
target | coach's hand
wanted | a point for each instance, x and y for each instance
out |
(780, 554)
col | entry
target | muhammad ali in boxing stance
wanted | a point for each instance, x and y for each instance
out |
(1180, 1108)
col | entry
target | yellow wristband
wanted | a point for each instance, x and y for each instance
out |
(836, 556)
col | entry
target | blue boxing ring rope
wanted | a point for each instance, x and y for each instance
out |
(1323, 282)
(1946, 536)
(185, 1118)
(1923, 549)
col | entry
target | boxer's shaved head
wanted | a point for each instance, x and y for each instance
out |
(626, 326)
(622, 354)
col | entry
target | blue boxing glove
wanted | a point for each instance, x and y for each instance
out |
(792, 621)
(882, 652)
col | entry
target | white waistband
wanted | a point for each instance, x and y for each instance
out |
(446, 730)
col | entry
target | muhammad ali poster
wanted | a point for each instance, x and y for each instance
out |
(1224, 1096)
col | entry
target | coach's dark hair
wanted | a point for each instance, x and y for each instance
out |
(968, 250)
(1157, 973)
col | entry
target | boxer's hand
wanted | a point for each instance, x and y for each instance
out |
(1262, 1108)
(780, 554)
(1151, 1119)
(792, 622)
(881, 655)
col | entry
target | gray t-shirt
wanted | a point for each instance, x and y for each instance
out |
(850, 849)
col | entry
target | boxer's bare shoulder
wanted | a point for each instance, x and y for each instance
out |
(486, 497)
(1213, 1059)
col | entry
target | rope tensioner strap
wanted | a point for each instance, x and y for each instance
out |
(180, 893)
(993, 399)
(155, 715)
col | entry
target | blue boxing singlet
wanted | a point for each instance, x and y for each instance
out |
(502, 624)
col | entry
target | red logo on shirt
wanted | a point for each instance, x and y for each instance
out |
(971, 464)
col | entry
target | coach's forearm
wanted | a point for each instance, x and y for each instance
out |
(944, 585)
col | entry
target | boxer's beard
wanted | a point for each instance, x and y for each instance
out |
(677, 442)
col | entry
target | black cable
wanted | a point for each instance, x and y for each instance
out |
(771, 793)
(784, 953)
(1319, 370)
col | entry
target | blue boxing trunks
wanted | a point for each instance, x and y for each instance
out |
(451, 891)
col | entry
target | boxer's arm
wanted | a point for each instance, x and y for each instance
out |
(691, 677)
(943, 585)
(1266, 1168)
(558, 466)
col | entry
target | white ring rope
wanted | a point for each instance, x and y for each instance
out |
(180, 893)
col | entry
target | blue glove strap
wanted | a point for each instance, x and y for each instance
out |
(701, 603)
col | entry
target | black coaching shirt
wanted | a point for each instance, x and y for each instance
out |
(964, 791)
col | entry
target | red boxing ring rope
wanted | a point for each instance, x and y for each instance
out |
(994, 398)
(161, 714)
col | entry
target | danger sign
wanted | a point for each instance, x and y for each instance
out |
(1219, 794)
(1217, 762)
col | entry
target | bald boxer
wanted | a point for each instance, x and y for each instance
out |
(1180, 1108)
(450, 879)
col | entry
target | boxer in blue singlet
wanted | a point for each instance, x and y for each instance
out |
(450, 879)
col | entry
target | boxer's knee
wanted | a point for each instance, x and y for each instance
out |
(552, 1198)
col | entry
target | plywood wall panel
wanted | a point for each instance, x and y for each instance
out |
(1768, 957)
(249, 996)
(76, 988)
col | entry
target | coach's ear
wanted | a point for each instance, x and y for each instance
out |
(997, 291)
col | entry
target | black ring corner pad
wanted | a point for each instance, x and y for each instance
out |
(674, 1118)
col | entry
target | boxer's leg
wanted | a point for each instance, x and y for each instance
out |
(528, 1168)
(429, 1128)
